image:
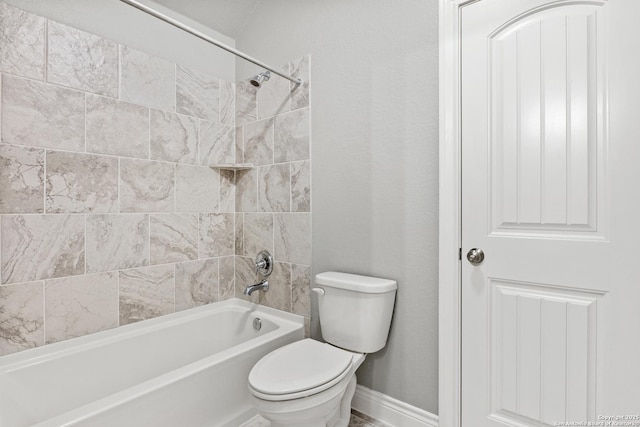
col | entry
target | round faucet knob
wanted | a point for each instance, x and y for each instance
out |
(264, 263)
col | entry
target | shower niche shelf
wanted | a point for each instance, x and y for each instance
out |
(233, 166)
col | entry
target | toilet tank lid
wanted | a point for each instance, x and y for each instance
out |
(355, 282)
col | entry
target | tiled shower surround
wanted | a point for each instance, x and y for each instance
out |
(109, 210)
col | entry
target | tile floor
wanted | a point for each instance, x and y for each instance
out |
(358, 419)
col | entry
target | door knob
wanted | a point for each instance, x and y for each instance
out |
(475, 256)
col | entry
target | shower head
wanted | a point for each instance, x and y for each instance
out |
(258, 79)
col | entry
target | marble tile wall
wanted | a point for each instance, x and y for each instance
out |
(273, 200)
(109, 210)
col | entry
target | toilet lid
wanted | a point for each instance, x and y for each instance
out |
(300, 366)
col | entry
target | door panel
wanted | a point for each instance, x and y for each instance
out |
(550, 158)
(535, 332)
(544, 121)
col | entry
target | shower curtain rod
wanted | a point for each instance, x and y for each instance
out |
(201, 35)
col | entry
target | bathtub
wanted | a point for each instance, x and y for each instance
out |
(185, 369)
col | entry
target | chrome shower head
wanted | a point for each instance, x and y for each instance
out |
(258, 79)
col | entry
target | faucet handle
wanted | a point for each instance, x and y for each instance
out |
(264, 263)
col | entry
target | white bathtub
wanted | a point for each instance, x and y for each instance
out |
(185, 369)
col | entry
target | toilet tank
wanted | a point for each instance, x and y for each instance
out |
(355, 311)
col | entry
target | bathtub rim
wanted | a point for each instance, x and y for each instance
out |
(48, 352)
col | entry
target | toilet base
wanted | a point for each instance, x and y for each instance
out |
(345, 404)
(331, 411)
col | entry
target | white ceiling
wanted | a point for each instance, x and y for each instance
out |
(225, 16)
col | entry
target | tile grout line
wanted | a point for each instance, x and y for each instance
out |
(85, 243)
(44, 313)
(148, 240)
(218, 287)
(117, 273)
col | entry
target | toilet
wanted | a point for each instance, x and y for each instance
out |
(311, 384)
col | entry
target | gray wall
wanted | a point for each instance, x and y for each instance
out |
(121, 23)
(375, 161)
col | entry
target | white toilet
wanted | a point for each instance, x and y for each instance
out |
(311, 384)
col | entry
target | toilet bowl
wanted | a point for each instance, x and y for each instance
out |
(310, 383)
(306, 383)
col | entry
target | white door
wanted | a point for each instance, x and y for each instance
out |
(551, 195)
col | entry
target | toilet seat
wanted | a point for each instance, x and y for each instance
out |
(299, 369)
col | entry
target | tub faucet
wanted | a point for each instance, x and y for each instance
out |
(262, 286)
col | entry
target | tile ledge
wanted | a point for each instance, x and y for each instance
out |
(233, 166)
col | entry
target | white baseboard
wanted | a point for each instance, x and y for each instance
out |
(390, 410)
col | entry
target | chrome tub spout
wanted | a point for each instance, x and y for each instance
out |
(262, 286)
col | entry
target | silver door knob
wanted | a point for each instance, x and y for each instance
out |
(475, 256)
